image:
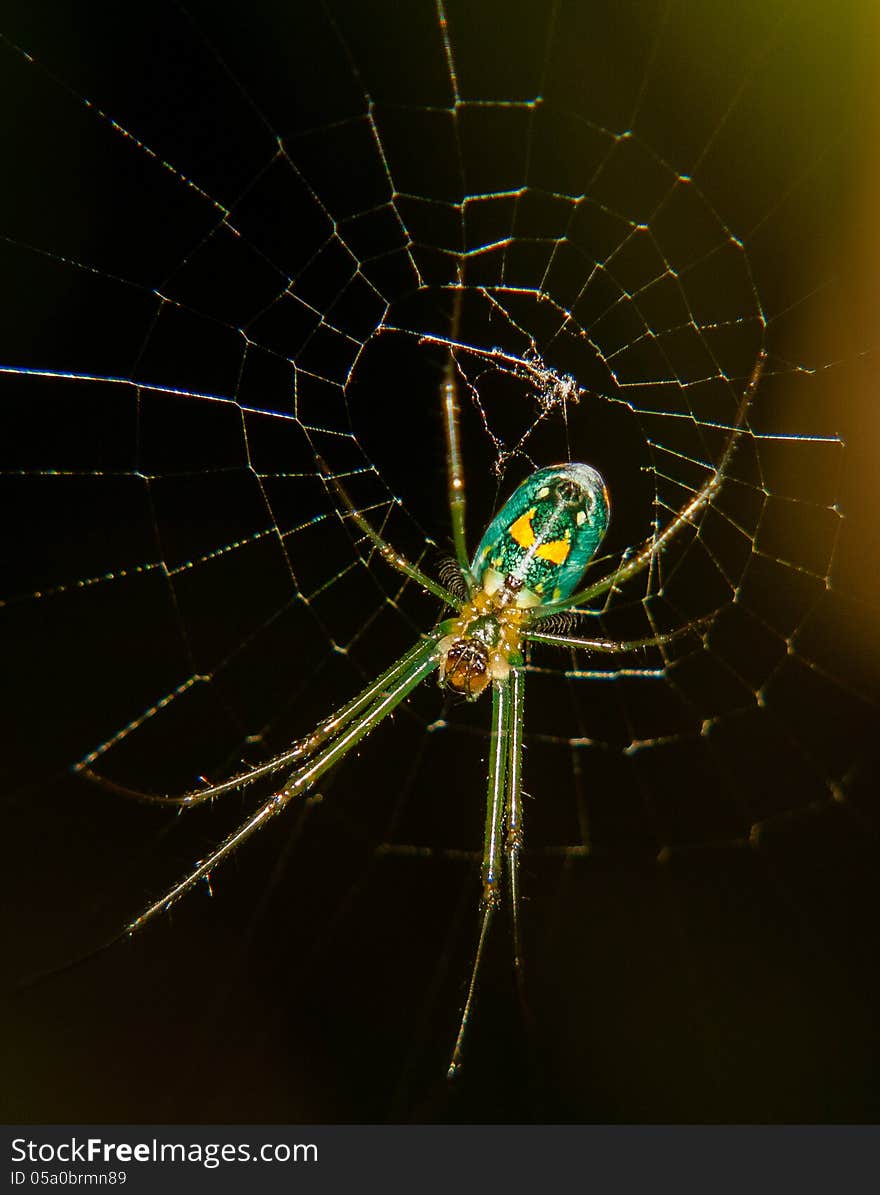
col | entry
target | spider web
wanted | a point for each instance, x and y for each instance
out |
(233, 251)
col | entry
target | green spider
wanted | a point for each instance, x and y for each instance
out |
(527, 568)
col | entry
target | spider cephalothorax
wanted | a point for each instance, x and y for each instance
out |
(483, 642)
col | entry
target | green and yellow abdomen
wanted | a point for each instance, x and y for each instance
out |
(545, 534)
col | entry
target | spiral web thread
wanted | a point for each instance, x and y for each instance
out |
(609, 314)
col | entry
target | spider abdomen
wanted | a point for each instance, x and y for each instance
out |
(543, 537)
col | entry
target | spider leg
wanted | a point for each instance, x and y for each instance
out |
(454, 464)
(389, 555)
(640, 560)
(490, 870)
(514, 817)
(614, 646)
(420, 664)
(299, 750)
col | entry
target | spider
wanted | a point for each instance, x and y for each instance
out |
(527, 568)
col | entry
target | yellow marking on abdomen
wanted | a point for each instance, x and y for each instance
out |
(556, 553)
(521, 531)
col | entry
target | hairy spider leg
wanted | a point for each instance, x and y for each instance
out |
(298, 751)
(514, 816)
(409, 672)
(454, 463)
(389, 555)
(493, 843)
(491, 865)
(684, 518)
(455, 489)
(613, 646)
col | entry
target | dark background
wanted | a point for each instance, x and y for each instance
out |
(734, 981)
